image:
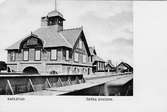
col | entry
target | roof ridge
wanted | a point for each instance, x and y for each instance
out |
(73, 28)
(64, 38)
(126, 64)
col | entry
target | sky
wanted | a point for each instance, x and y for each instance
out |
(108, 25)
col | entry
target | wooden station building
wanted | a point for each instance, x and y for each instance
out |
(51, 49)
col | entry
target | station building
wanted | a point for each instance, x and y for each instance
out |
(110, 67)
(124, 67)
(51, 49)
(98, 64)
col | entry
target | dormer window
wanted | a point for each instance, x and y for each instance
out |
(31, 41)
(52, 21)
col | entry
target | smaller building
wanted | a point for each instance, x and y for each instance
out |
(110, 67)
(98, 64)
(124, 67)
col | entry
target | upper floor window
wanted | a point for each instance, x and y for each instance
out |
(67, 54)
(84, 58)
(31, 42)
(80, 44)
(53, 54)
(76, 57)
(37, 55)
(13, 56)
(25, 55)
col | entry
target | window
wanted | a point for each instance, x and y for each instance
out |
(91, 58)
(12, 58)
(37, 55)
(67, 54)
(76, 57)
(53, 54)
(25, 55)
(84, 58)
(80, 44)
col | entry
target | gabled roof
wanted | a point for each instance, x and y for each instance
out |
(125, 64)
(16, 45)
(110, 64)
(52, 38)
(71, 35)
(92, 51)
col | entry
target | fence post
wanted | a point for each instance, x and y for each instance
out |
(77, 80)
(47, 80)
(31, 84)
(69, 81)
(10, 86)
(59, 80)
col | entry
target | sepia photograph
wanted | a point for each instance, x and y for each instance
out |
(70, 48)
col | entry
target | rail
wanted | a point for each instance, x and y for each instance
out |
(106, 75)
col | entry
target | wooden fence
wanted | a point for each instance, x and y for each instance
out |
(15, 84)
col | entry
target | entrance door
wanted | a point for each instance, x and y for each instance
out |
(30, 70)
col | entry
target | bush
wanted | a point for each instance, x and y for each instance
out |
(53, 72)
(3, 66)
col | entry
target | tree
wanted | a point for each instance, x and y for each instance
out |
(3, 66)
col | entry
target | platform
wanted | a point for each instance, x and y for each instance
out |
(115, 80)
